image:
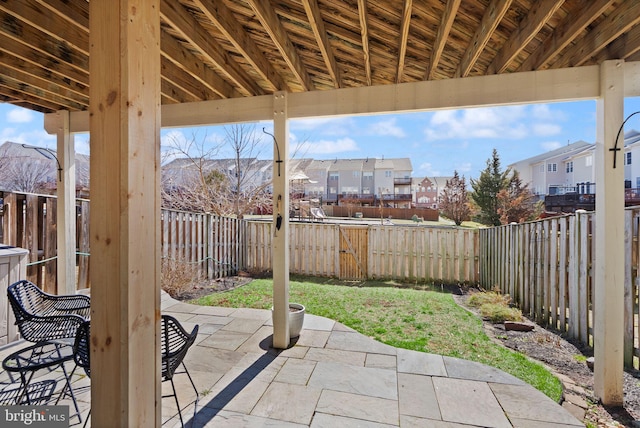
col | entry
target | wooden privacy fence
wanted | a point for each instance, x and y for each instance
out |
(215, 244)
(547, 268)
(416, 253)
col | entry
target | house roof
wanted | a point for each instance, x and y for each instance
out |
(564, 150)
(244, 48)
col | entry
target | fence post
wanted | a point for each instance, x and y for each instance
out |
(630, 230)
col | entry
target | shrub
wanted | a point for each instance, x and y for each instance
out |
(178, 276)
(495, 307)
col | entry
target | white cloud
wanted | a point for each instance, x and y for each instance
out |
(387, 128)
(19, 115)
(511, 122)
(326, 147)
(464, 167)
(427, 169)
(33, 137)
(326, 125)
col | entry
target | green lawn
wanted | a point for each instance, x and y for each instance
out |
(422, 320)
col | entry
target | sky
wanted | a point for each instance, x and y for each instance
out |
(438, 143)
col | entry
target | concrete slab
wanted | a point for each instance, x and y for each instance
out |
(323, 420)
(469, 402)
(356, 406)
(288, 402)
(225, 339)
(418, 396)
(356, 380)
(420, 363)
(243, 325)
(296, 371)
(463, 369)
(336, 356)
(351, 341)
(381, 361)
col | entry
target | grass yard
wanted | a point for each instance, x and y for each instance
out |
(422, 320)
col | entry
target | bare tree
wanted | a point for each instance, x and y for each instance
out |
(201, 181)
(28, 175)
(454, 202)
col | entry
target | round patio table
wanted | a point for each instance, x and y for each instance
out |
(43, 355)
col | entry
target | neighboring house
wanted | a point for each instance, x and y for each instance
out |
(31, 169)
(428, 190)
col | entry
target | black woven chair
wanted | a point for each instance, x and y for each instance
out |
(176, 341)
(43, 317)
(175, 344)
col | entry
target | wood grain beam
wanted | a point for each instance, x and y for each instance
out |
(183, 80)
(492, 17)
(32, 13)
(624, 17)
(190, 29)
(19, 95)
(223, 18)
(272, 25)
(537, 17)
(181, 57)
(405, 24)
(364, 33)
(564, 34)
(624, 47)
(446, 22)
(76, 13)
(317, 25)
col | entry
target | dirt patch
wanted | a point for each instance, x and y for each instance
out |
(211, 286)
(568, 361)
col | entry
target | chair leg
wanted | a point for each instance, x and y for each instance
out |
(175, 396)
(195, 404)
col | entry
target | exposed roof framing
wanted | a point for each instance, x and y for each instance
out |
(213, 49)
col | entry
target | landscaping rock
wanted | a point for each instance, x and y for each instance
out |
(518, 326)
(590, 362)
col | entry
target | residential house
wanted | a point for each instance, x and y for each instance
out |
(427, 191)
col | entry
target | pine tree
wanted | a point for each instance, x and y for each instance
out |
(486, 188)
(517, 203)
(454, 202)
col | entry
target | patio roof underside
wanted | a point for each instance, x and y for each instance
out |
(215, 49)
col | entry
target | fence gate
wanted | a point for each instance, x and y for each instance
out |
(353, 252)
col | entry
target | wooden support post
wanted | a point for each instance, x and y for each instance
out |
(609, 236)
(125, 212)
(66, 223)
(280, 242)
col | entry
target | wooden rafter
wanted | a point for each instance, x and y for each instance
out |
(364, 32)
(317, 25)
(183, 80)
(538, 16)
(272, 25)
(446, 22)
(181, 57)
(405, 24)
(223, 18)
(191, 30)
(564, 34)
(617, 23)
(492, 17)
(76, 13)
(624, 47)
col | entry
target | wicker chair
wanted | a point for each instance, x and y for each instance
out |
(176, 341)
(175, 344)
(43, 317)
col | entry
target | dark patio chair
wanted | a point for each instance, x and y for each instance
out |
(43, 317)
(176, 341)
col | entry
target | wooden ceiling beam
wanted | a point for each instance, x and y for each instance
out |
(492, 17)
(15, 98)
(624, 47)
(174, 94)
(181, 57)
(530, 26)
(21, 90)
(190, 29)
(76, 13)
(44, 85)
(617, 23)
(405, 24)
(564, 34)
(223, 18)
(33, 14)
(317, 25)
(446, 22)
(272, 25)
(182, 79)
(364, 33)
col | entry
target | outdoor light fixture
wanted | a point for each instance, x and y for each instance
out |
(51, 152)
(615, 147)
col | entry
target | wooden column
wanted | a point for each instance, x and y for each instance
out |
(125, 212)
(66, 222)
(609, 238)
(280, 242)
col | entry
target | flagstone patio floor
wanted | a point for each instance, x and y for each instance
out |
(331, 377)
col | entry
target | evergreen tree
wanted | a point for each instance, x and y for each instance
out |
(454, 202)
(486, 188)
(517, 203)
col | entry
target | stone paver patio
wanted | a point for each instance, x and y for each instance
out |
(332, 377)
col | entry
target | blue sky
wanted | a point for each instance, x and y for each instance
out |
(436, 142)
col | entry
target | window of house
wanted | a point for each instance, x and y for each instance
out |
(333, 176)
(387, 173)
(332, 190)
(570, 166)
(588, 161)
(367, 175)
(356, 174)
(552, 167)
(627, 158)
(366, 191)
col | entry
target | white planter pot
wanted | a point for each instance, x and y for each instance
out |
(296, 319)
